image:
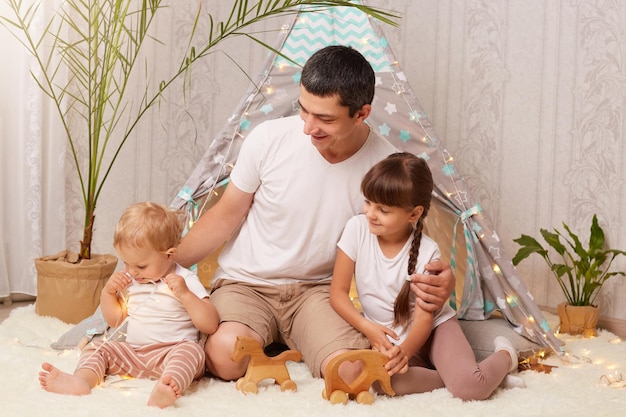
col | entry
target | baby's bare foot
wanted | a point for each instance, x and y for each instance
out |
(55, 380)
(165, 392)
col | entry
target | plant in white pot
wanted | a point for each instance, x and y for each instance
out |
(580, 272)
(86, 56)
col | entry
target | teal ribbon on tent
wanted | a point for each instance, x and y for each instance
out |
(470, 238)
(192, 207)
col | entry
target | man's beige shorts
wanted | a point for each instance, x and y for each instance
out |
(298, 315)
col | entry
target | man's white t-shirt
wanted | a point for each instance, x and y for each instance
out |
(379, 279)
(300, 207)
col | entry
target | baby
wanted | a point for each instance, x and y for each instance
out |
(166, 307)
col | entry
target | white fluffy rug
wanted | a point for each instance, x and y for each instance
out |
(570, 389)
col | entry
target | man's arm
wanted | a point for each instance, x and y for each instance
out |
(214, 227)
(433, 290)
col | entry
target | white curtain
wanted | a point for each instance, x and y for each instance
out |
(32, 153)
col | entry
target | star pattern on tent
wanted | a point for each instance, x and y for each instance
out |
(268, 81)
(267, 109)
(495, 252)
(244, 124)
(398, 88)
(487, 272)
(405, 136)
(495, 236)
(390, 108)
(295, 105)
(379, 81)
(424, 156)
(401, 76)
(414, 116)
(448, 169)
(515, 281)
(384, 129)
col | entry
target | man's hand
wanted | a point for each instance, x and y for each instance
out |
(433, 289)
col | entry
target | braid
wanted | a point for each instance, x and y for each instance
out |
(401, 308)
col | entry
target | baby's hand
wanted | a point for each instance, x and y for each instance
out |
(117, 283)
(177, 285)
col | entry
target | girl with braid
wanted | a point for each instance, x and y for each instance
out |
(382, 249)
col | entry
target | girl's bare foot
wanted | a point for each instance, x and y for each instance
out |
(165, 392)
(55, 380)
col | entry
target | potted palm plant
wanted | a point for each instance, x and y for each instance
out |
(580, 272)
(86, 56)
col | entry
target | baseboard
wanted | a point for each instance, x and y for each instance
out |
(616, 326)
(7, 301)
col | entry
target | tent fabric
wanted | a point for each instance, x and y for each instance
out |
(456, 221)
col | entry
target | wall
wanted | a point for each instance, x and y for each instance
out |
(529, 97)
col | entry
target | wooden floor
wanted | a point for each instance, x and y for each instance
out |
(6, 307)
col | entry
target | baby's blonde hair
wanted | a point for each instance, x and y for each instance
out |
(151, 224)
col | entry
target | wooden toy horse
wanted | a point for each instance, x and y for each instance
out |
(262, 366)
(338, 391)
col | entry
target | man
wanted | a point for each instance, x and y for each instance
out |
(283, 213)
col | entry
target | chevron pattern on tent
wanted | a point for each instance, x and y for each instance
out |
(340, 25)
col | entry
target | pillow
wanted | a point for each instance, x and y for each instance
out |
(480, 334)
(90, 329)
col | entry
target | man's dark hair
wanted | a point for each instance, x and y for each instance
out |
(340, 70)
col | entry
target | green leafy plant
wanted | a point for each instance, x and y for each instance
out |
(582, 271)
(87, 53)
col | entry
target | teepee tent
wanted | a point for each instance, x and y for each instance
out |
(456, 221)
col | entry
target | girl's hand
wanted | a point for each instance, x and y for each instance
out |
(117, 283)
(377, 334)
(398, 362)
(177, 285)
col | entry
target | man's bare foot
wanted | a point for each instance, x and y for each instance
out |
(55, 380)
(165, 392)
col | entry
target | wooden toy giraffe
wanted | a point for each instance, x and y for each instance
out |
(262, 366)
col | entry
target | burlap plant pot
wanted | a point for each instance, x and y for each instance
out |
(71, 291)
(577, 320)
